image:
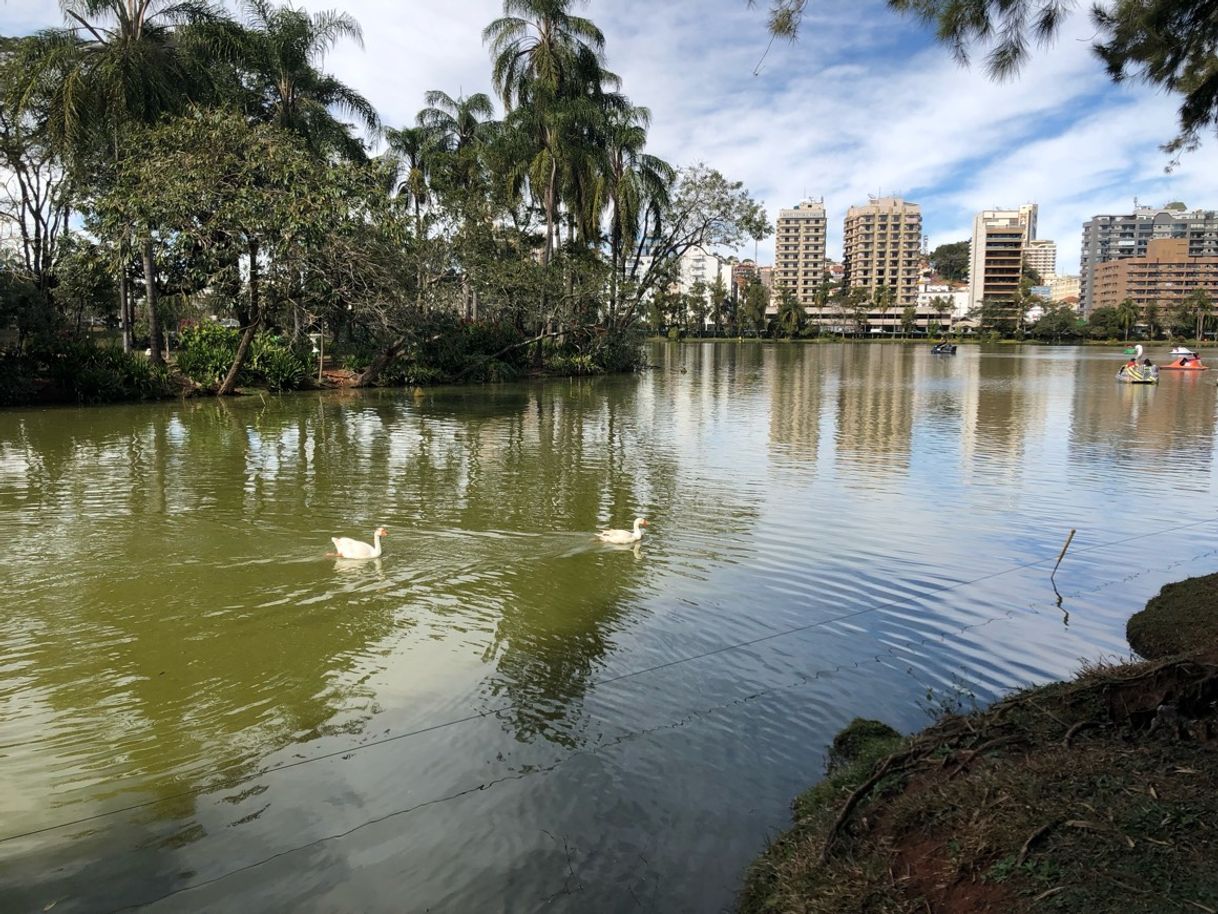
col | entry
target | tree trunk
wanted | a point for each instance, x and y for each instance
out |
(229, 384)
(124, 311)
(155, 343)
(381, 362)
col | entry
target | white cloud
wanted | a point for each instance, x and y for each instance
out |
(865, 102)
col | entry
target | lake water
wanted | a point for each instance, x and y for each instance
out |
(200, 711)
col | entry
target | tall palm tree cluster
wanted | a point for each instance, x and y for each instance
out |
(533, 217)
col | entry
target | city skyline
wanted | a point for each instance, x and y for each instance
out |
(866, 103)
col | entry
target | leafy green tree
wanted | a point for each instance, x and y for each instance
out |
(753, 310)
(704, 210)
(857, 300)
(909, 319)
(631, 181)
(116, 65)
(720, 304)
(36, 194)
(950, 260)
(1197, 305)
(546, 60)
(697, 308)
(1058, 323)
(461, 127)
(1154, 320)
(86, 286)
(884, 298)
(256, 193)
(1103, 324)
(942, 306)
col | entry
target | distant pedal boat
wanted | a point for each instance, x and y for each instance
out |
(1186, 360)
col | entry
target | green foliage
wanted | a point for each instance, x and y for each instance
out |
(274, 363)
(951, 260)
(206, 351)
(23, 306)
(1058, 324)
(1104, 324)
(80, 372)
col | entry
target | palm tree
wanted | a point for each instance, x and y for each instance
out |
(283, 48)
(416, 149)
(633, 181)
(458, 123)
(1127, 315)
(121, 62)
(117, 64)
(548, 70)
(790, 313)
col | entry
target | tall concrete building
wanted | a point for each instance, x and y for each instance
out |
(882, 247)
(799, 250)
(1107, 238)
(996, 253)
(1041, 256)
(1165, 275)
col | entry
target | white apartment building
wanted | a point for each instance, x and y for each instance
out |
(882, 249)
(1041, 255)
(799, 250)
(698, 265)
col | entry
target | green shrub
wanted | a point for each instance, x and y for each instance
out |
(273, 362)
(82, 372)
(206, 352)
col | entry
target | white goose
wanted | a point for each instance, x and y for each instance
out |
(624, 537)
(347, 548)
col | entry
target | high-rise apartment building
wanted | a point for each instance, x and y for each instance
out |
(1165, 275)
(1107, 238)
(799, 250)
(996, 253)
(1041, 256)
(882, 248)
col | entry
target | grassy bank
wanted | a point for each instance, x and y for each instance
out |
(1094, 795)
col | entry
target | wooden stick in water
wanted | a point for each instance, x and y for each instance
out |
(1062, 555)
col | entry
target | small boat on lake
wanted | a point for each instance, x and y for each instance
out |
(1138, 374)
(1135, 372)
(1186, 360)
(943, 349)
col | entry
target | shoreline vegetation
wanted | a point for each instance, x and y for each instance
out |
(1095, 794)
(516, 232)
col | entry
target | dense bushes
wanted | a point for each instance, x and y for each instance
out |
(78, 371)
(494, 352)
(207, 350)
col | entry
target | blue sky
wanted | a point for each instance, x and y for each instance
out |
(865, 102)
